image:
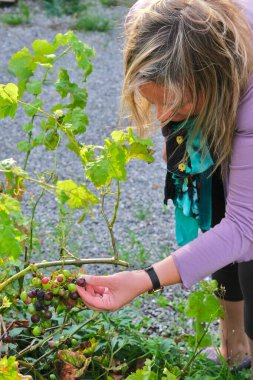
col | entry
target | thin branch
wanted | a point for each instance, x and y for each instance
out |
(33, 267)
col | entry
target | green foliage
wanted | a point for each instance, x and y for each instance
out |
(61, 7)
(204, 308)
(8, 369)
(22, 15)
(92, 21)
(109, 3)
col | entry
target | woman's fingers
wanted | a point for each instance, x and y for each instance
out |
(94, 300)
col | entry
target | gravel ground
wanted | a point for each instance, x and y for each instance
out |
(143, 229)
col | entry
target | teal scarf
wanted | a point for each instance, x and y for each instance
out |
(188, 181)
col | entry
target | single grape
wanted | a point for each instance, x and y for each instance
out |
(24, 296)
(72, 287)
(52, 377)
(48, 314)
(60, 278)
(31, 309)
(81, 282)
(68, 342)
(66, 273)
(55, 290)
(28, 301)
(40, 294)
(45, 280)
(38, 306)
(37, 331)
(62, 292)
(48, 296)
(74, 342)
(51, 343)
(32, 293)
(74, 295)
(46, 286)
(35, 318)
(36, 281)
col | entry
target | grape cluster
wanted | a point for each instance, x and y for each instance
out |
(48, 294)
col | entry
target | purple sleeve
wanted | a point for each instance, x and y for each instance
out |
(232, 239)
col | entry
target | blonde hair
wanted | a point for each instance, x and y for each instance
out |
(201, 46)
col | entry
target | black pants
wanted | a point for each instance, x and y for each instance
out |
(237, 279)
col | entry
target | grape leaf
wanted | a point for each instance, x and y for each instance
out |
(22, 66)
(64, 87)
(203, 307)
(34, 87)
(34, 107)
(43, 52)
(9, 369)
(77, 196)
(76, 121)
(24, 146)
(8, 100)
(51, 140)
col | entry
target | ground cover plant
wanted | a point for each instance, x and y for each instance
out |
(45, 329)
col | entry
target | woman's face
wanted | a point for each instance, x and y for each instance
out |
(161, 99)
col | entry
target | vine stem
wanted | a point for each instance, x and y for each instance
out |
(46, 264)
(110, 224)
(196, 350)
(30, 366)
(32, 225)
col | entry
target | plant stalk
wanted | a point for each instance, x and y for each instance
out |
(34, 266)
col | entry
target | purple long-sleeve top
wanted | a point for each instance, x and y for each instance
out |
(232, 239)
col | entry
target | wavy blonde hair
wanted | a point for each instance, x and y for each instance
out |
(201, 46)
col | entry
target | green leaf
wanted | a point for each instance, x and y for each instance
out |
(43, 52)
(8, 100)
(78, 197)
(203, 307)
(73, 358)
(64, 87)
(83, 53)
(5, 303)
(24, 146)
(22, 66)
(99, 172)
(28, 127)
(33, 108)
(34, 87)
(9, 369)
(76, 121)
(51, 140)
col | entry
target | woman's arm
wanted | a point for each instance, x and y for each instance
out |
(117, 290)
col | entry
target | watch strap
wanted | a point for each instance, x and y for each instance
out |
(154, 279)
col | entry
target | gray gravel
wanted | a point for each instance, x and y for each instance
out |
(142, 228)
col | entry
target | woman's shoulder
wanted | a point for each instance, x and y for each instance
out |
(245, 111)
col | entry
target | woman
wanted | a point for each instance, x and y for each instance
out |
(192, 61)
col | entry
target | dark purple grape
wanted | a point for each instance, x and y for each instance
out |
(81, 282)
(40, 294)
(32, 293)
(39, 306)
(48, 314)
(74, 295)
(35, 318)
(48, 296)
(68, 342)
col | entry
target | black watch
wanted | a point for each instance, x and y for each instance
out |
(154, 279)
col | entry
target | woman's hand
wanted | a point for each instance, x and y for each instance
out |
(112, 292)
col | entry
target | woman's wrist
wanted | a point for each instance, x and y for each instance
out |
(167, 272)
